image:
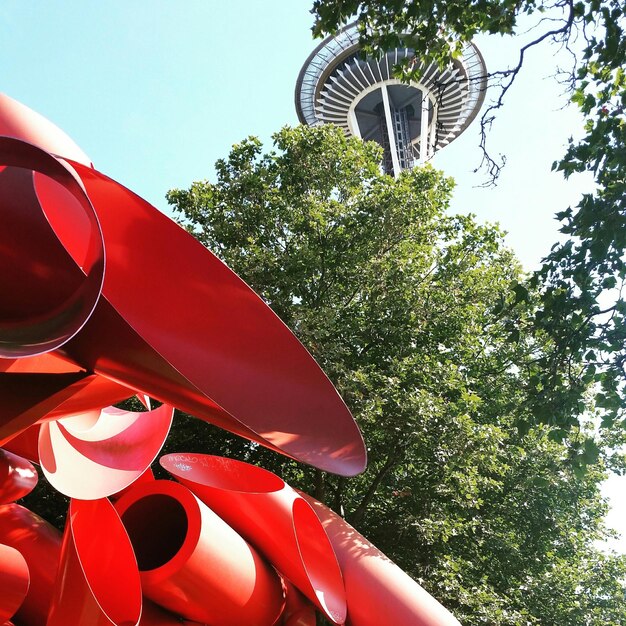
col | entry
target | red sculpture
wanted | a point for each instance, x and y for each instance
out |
(97, 581)
(193, 563)
(378, 591)
(94, 273)
(272, 517)
(14, 581)
(40, 545)
(97, 454)
(17, 477)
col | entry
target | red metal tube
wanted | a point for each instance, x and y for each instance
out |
(17, 477)
(29, 398)
(98, 582)
(21, 122)
(378, 591)
(200, 356)
(192, 563)
(146, 477)
(25, 444)
(40, 545)
(94, 455)
(273, 518)
(57, 279)
(197, 358)
(298, 610)
(14, 581)
(154, 615)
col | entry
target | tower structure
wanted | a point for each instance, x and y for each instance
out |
(411, 121)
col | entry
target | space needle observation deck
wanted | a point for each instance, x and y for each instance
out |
(411, 121)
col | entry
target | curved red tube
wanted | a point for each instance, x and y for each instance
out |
(146, 477)
(26, 398)
(17, 477)
(97, 582)
(174, 554)
(14, 581)
(217, 342)
(21, 122)
(94, 455)
(40, 545)
(25, 444)
(378, 591)
(154, 615)
(29, 398)
(298, 610)
(47, 363)
(272, 517)
(56, 281)
(198, 358)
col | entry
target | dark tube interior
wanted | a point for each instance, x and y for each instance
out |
(157, 527)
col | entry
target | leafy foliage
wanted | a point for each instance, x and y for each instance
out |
(581, 306)
(402, 304)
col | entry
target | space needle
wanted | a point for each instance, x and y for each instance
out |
(411, 121)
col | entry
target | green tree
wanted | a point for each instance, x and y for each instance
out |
(401, 304)
(582, 307)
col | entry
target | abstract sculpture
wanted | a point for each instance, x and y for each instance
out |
(81, 259)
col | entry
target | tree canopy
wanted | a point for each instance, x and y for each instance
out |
(581, 306)
(401, 303)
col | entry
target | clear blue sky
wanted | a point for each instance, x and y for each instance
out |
(155, 91)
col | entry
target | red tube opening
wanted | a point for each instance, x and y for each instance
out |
(318, 559)
(157, 526)
(103, 552)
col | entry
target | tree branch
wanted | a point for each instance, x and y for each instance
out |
(357, 515)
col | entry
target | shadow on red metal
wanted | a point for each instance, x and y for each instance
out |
(25, 444)
(29, 398)
(273, 517)
(154, 615)
(14, 581)
(17, 477)
(40, 545)
(192, 563)
(97, 582)
(377, 590)
(96, 454)
(298, 610)
(146, 477)
(49, 221)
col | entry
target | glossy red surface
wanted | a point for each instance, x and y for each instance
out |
(378, 591)
(49, 222)
(17, 477)
(96, 454)
(146, 477)
(17, 120)
(298, 610)
(97, 582)
(40, 545)
(26, 398)
(61, 216)
(30, 398)
(175, 538)
(154, 615)
(273, 518)
(14, 581)
(25, 444)
(83, 258)
(221, 338)
(47, 363)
